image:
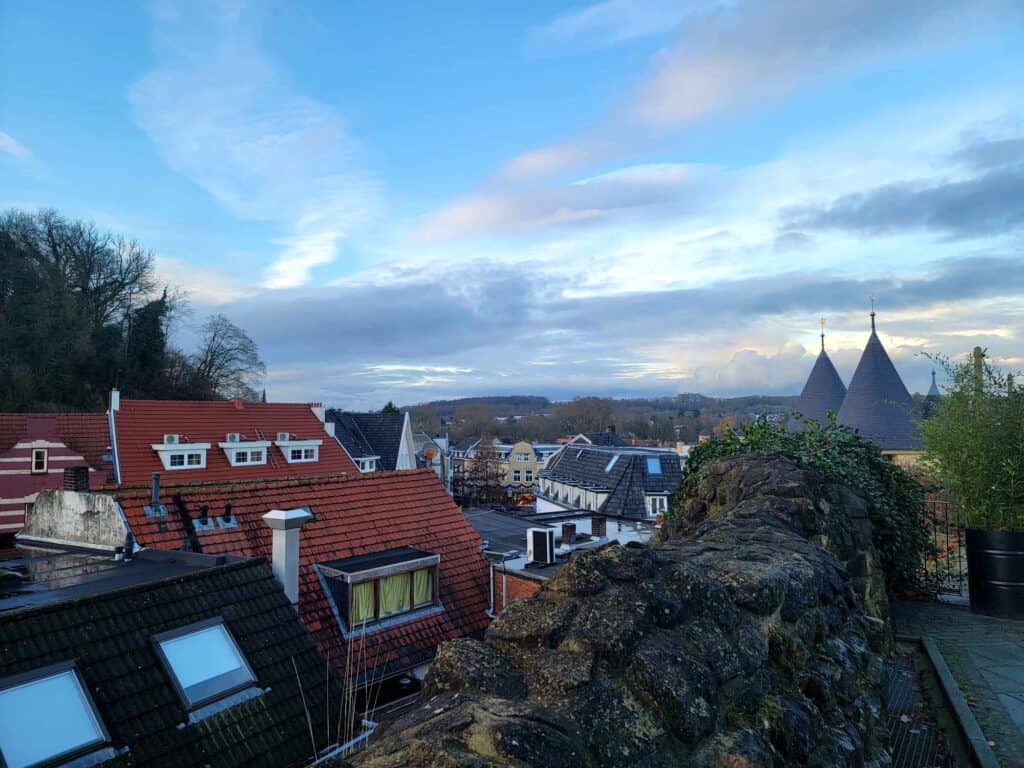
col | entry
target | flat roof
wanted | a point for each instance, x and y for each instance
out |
(31, 575)
(358, 563)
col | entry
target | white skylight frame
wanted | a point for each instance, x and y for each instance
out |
(22, 718)
(203, 691)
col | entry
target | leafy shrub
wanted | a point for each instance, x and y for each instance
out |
(895, 499)
(974, 444)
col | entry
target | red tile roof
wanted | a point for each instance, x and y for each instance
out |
(84, 433)
(353, 515)
(139, 424)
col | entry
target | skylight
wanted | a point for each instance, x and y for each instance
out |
(44, 715)
(653, 465)
(204, 662)
(611, 463)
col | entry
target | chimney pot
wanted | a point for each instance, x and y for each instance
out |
(286, 524)
(568, 534)
(598, 526)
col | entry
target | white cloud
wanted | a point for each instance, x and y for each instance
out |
(608, 23)
(222, 114)
(11, 146)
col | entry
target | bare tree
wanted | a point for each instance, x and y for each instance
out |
(228, 362)
(484, 472)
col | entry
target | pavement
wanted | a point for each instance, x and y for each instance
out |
(986, 657)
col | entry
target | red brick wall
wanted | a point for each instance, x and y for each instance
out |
(514, 585)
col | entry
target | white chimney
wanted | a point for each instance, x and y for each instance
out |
(286, 524)
(115, 400)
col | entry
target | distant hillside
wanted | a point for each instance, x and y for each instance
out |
(501, 405)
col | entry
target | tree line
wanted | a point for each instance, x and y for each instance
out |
(81, 313)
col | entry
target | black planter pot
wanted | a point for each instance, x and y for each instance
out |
(995, 572)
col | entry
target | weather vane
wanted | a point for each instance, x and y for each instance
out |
(872, 311)
(821, 322)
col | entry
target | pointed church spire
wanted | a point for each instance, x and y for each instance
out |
(822, 322)
(823, 391)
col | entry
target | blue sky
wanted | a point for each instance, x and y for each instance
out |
(415, 200)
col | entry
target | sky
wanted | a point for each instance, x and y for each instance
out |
(411, 200)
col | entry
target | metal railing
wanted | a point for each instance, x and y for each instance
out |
(946, 569)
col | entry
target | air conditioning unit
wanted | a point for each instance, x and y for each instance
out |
(540, 545)
(172, 439)
(233, 437)
(284, 437)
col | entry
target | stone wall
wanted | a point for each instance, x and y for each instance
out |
(738, 641)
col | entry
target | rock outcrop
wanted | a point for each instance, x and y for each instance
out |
(737, 641)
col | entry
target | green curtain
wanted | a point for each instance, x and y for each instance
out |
(394, 594)
(362, 603)
(422, 587)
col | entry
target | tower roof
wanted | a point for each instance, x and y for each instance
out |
(823, 392)
(933, 390)
(877, 403)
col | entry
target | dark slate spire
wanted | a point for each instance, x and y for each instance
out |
(878, 404)
(824, 390)
(931, 398)
(933, 391)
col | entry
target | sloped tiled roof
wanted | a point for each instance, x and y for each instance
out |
(370, 434)
(823, 392)
(466, 444)
(626, 481)
(607, 437)
(109, 637)
(877, 403)
(85, 433)
(141, 423)
(353, 515)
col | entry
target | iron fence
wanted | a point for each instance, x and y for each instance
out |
(946, 570)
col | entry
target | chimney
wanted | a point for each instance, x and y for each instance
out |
(115, 400)
(76, 479)
(319, 410)
(598, 527)
(611, 428)
(286, 524)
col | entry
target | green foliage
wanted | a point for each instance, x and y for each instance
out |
(895, 499)
(974, 443)
(389, 407)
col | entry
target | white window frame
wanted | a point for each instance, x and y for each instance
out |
(287, 446)
(234, 452)
(165, 452)
(528, 476)
(45, 453)
(517, 476)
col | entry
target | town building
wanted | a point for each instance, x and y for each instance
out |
(206, 441)
(375, 441)
(155, 658)
(36, 448)
(823, 392)
(517, 570)
(383, 566)
(622, 482)
(879, 407)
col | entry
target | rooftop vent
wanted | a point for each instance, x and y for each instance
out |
(540, 545)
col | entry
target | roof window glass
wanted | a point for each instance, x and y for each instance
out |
(653, 465)
(44, 716)
(205, 662)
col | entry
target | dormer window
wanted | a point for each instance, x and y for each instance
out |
(47, 717)
(383, 586)
(176, 452)
(39, 461)
(299, 451)
(367, 463)
(243, 453)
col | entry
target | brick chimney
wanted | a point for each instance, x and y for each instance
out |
(76, 479)
(286, 524)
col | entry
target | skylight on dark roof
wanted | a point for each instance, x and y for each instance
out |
(204, 661)
(45, 715)
(654, 465)
(611, 463)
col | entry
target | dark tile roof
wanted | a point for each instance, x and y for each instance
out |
(109, 636)
(369, 434)
(626, 481)
(465, 444)
(606, 438)
(353, 515)
(877, 403)
(823, 392)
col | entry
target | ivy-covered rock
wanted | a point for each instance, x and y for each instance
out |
(739, 639)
